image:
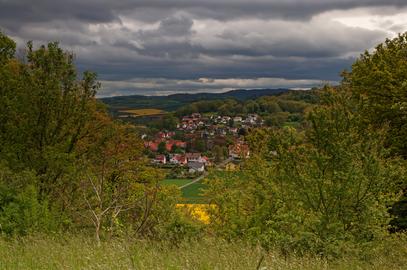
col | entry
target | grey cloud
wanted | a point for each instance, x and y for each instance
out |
(13, 13)
(346, 40)
(176, 26)
(170, 40)
(398, 28)
(190, 39)
(321, 69)
(160, 86)
(97, 11)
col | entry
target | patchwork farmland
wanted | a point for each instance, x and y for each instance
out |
(140, 112)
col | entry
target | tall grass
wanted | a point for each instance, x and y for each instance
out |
(76, 252)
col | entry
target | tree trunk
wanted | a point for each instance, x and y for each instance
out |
(97, 232)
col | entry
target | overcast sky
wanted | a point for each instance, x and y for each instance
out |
(165, 46)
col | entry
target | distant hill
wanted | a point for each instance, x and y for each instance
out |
(175, 101)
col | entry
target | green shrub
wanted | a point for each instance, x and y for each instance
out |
(22, 211)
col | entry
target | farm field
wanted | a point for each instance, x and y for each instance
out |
(142, 112)
(176, 182)
(193, 194)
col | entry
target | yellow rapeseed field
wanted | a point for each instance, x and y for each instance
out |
(142, 112)
(198, 211)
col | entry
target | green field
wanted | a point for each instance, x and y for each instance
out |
(193, 193)
(176, 182)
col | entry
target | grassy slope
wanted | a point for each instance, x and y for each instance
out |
(193, 193)
(82, 253)
(176, 182)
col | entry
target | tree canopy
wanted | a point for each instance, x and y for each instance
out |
(64, 162)
(379, 80)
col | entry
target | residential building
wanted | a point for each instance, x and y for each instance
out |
(196, 167)
(193, 156)
(160, 159)
(178, 159)
(239, 150)
(237, 119)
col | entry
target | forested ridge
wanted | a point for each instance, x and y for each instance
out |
(331, 188)
(175, 101)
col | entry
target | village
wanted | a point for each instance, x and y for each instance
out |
(199, 142)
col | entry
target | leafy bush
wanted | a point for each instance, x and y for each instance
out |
(22, 211)
(326, 190)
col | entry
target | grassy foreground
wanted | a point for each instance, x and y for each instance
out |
(82, 253)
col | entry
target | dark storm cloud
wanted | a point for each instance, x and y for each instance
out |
(108, 10)
(168, 40)
(320, 69)
(171, 39)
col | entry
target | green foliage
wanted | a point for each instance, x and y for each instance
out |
(290, 102)
(202, 106)
(399, 213)
(21, 211)
(277, 119)
(68, 162)
(292, 106)
(199, 145)
(175, 149)
(167, 122)
(7, 48)
(323, 191)
(269, 105)
(219, 153)
(181, 229)
(162, 148)
(121, 194)
(379, 79)
(44, 112)
(252, 106)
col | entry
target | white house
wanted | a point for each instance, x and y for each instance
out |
(237, 119)
(196, 167)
